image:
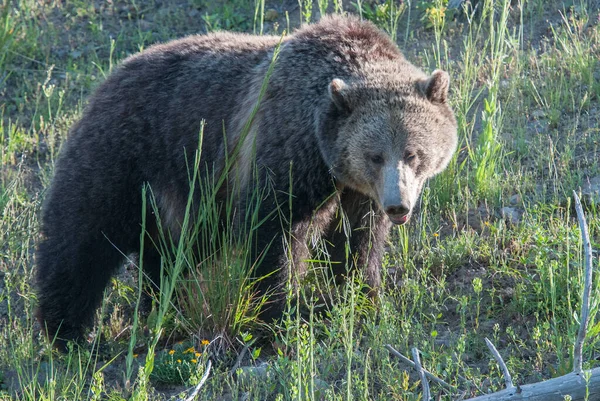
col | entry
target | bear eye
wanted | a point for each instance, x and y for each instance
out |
(410, 156)
(377, 159)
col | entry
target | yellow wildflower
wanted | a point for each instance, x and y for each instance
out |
(189, 350)
(198, 354)
(171, 352)
(205, 342)
(194, 361)
(436, 235)
(179, 361)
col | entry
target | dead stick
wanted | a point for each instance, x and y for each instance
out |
(429, 375)
(498, 357)
(587, 288)
(421, 371)
(582, 387)
(202, 380)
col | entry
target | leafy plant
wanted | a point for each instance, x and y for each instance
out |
(385, 15)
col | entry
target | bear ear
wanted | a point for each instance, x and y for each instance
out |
(338, 92)
(436, 87)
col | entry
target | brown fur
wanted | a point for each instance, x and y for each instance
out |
(356, 127)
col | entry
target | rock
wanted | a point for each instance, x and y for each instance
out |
(591, 190)
(271, 15)
(511, 214)
(455, 4)
(246, 375)
(319, 390)
(538, 114)
(321, 387)
(515, 199)
(145, 25)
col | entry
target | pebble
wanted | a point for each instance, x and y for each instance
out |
(271, 15)
(591, 190)
(511, 214)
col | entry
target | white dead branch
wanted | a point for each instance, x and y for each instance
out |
(421, 371)
(570, 386)
(578, 385)
(587, 287)
(428, 374)
(194, 393)
(505, 372)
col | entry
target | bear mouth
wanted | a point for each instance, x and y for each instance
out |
(399, 219)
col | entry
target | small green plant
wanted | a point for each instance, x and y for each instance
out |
(179, 364)
(259, 15)
(487, 153)
(385, 15)
(305, 11)
(8, 32)
(477, 288)
(228, 16)
(434, 13)
(323, 5)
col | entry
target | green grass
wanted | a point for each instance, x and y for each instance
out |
(525, 89)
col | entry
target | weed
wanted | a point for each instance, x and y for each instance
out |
(385, 15)
(179, 365)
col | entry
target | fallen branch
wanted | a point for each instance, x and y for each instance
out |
(505, 372)
(579, 387)
(429, 375)
(238, 361)
(199, 386)
(587, 288)
(421, 371)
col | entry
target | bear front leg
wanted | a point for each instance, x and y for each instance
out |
(280, 255)
(282, 249)
(361, 226)
(71, 276)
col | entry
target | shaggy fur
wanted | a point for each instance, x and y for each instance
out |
(356, 127)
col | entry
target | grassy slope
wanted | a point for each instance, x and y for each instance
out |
(527, 100)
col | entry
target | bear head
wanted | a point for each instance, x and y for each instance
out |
(385, 137)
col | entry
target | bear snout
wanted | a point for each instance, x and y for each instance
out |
(398, 214)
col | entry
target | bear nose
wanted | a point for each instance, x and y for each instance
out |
(397, 210)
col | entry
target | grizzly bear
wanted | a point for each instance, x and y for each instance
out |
(345, 122)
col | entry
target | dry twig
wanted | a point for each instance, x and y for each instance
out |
(238, 361)
(587, 288)
(498, 357)
(429, 375)
(199, 386)
(421, 371)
